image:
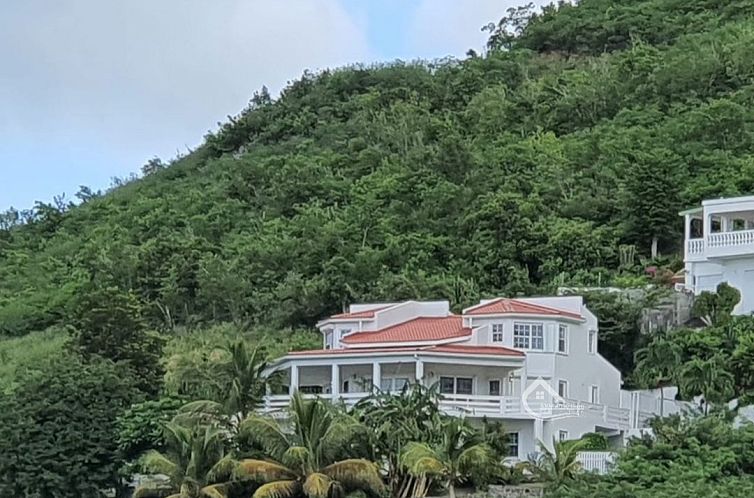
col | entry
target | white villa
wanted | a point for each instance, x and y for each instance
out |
(719, 247)
(532, 363)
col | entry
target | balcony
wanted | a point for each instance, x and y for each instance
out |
(721, 245)
(474, 405)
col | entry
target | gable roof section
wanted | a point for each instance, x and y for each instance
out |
(504, 306)
(360, 314)
(442, 348)
(415, 330)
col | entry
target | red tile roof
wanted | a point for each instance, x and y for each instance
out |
(514, 306)
(443, 348)
(360, 314)
(415, 330)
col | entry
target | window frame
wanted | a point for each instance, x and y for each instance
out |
(455, 385)
(329, 339)
(514, 443)
(562, 382)
(563, 332)
(563, 435)
(591, 346)
(524, 332)
(499, 387)
(594, 394)
(499, 334)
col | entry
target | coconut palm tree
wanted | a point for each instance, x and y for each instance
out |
(657, 366)
(305, 454)
(195, 461)
(708, 378)
(558, 466)
(241, 389)
(461, 452)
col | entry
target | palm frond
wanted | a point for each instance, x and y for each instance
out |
(155, 462)
(297, 457)
(215, 491)
(262, 470)
(278, 489)
(476, 456)
(356, 474)
(223, 469)
(420, 458)
(266, 432)
(150, 490)
(317, 485)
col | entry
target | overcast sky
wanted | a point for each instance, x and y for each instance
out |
(91, 89)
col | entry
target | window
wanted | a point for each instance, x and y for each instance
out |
(328, 339)
(393, 384)
(562, 436)
(594, 395)
(310, 389)
(456, 385)
(592, 344)
(563, 388)
(344, 332)
(495, 387)
(346, 385)
(513, 444)
(528, 336)
(562, 338)
(497, 332)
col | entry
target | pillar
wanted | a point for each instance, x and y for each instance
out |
(335, 381)
(419, 371)
(522, 381)
(687, 236)
(294, 379)
(539, 432)
(376, 375)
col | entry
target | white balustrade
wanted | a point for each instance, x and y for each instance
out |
(695, 247)
(730, 239)
(596, 461)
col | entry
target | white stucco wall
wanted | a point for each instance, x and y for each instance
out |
(739, 273)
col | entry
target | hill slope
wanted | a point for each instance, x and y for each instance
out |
(502, 174)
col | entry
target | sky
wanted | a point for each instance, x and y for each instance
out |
(92, 89)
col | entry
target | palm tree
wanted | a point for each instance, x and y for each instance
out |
(657, 366)
(304, 456)
(708, 378)
(558, 466)
(195, 461)
(242, 389)
(461, 452)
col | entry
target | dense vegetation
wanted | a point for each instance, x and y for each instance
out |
(139, 320)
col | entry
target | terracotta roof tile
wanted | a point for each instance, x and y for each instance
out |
(415, 330)
(514, 306)
(360, 314)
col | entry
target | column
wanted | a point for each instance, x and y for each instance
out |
(522, 381)
(687, 236)
(294, 379)
(376, 375)
(419, 371)
(539, 432)
(724, 223)
(335, 381)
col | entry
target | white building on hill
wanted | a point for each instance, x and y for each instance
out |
(719, 247)
(533, 363)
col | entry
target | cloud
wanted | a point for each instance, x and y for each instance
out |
(130, 79)
(450, 27)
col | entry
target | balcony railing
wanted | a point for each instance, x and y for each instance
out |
(475, 405)
(695, 247)
(731, 239)
(596, 461)
(721, 244)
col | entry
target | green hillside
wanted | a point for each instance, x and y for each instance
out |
(506, 173)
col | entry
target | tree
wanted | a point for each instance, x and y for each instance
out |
(715, 308)
(305, 459)
(195, 459)
(657, 366)
(709, 378)
(58, 433)
(558, 466)
(108, 323)
(461, 453)
(142, 426)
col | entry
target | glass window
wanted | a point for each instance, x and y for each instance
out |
(494, 388)
(594, 395)
(562, 435)
(464, 385)
(513, 444)
(528, 336)
(447, 385)
(310, 389)
(497, 332)
(328, 339)
(346, 385)
(563, 389)
(400, 384)
(563, 338)
(592, 343)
